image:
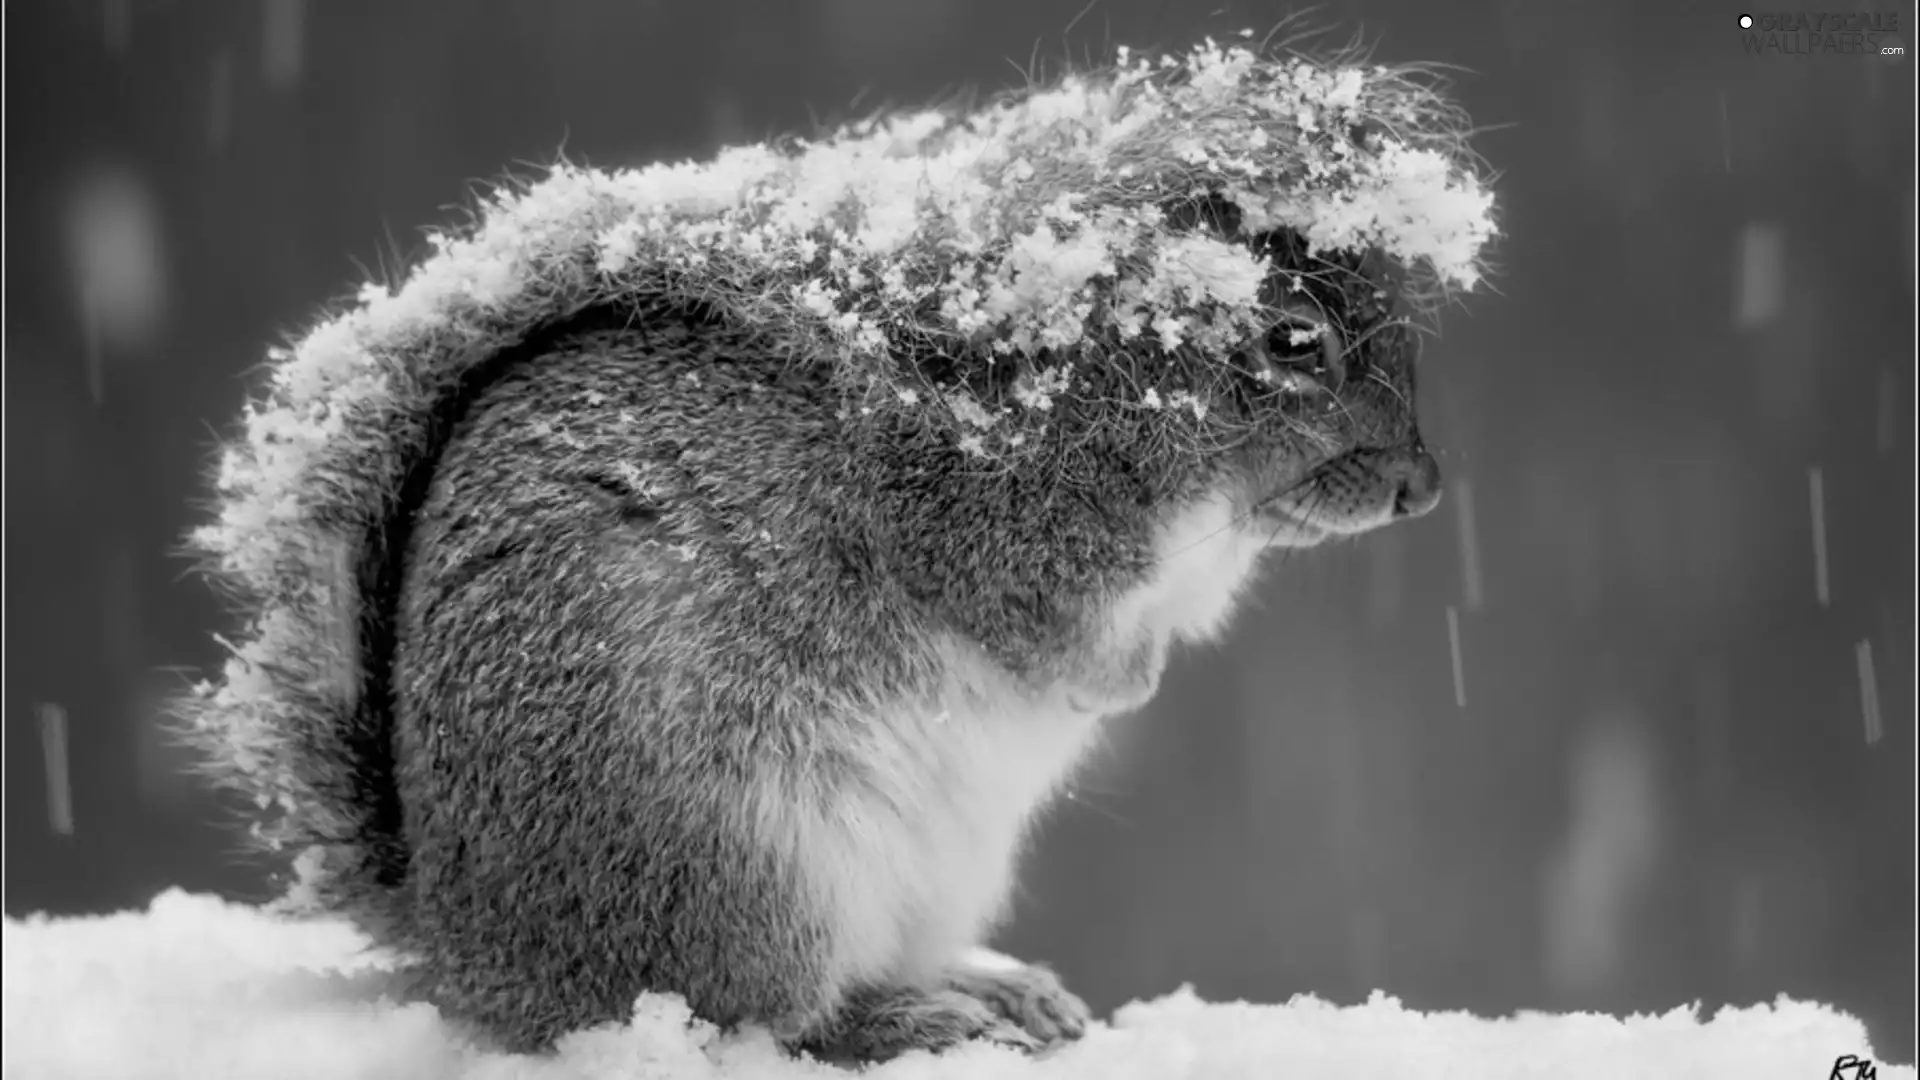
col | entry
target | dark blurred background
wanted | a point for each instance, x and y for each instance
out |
(1628, 724)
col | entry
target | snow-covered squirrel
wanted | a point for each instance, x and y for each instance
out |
(695, 579)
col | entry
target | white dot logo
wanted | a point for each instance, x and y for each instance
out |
(1746, 22)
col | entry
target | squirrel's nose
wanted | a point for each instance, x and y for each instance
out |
(1418, 478)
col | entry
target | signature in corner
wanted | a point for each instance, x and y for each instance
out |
(1849, 1067)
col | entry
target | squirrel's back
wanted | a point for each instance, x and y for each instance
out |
(680, 705)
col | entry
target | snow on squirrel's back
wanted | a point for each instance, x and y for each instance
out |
(198, 988)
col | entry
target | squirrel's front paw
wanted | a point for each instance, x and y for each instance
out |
(1118, 680)
(1029, 995)
(880, 1024)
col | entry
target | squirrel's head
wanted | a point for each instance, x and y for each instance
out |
(1145, 282)
(1326, 396)
(1307, 425)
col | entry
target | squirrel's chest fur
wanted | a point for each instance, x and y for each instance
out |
(916, 863)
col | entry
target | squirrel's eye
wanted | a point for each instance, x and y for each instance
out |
(1302, 353)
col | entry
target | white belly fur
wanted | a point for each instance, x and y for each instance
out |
(918, 868)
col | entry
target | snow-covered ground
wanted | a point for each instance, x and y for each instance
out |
(199, 988)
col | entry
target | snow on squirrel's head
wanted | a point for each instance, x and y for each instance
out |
(1185, 249)
(1178, 255)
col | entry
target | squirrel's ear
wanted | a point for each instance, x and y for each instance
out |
(1284, 246)
(1367, 134)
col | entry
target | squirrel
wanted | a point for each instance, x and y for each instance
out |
(615, 628)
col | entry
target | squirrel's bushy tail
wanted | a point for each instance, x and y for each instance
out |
(313, 500)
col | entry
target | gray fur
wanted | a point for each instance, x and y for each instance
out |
(650, 576)
(681, 583)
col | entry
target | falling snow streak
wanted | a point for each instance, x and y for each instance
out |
(1453, 642)
(1713, 707)
(1469, 545)
(220, 101)
(1817, 500)
(53, 745)
(1869, 690)
(1890, 637)
(116, 255)
(1609, 855)
(1761, 274)
(1726, 134)
(1581, 547)
(283, 44)
(1367, 947)
(90, 348)
(1887, 415)
(1345, 812)
(1389, 578)
(1748, 920)
(116, 25)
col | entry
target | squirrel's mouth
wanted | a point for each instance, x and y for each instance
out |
(1281, 527)
(1353, 492)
